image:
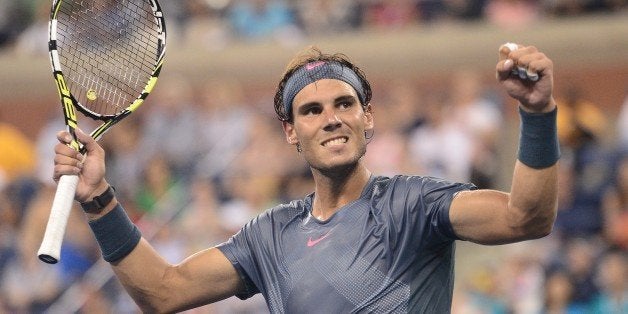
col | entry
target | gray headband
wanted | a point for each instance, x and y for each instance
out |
(315, 71)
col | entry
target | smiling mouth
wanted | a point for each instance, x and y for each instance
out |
(335, 141)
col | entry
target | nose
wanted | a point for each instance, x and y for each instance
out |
(332, 120)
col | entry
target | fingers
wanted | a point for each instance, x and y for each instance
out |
(67, 159)
(65, 165)
(536, 63)
(526, 63)
(65, 145)
(87, 141)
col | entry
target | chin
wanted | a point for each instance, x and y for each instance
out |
(338, 164)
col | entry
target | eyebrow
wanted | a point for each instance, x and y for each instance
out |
(339, 99)
(345, 98)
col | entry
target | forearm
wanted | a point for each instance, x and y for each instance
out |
(143, 273)
(533, 200)
(154, 284)
(534, 190)
(137, 265)
(157, 287)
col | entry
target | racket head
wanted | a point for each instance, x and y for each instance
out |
(106, 55)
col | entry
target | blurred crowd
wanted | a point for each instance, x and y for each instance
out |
(191, 171)
(287, 21)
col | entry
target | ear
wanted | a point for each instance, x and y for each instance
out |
(291, 135)
(369, 124)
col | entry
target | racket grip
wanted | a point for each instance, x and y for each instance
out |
(50, 249)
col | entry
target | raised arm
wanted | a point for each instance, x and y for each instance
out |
(154, 284)
(529, 210)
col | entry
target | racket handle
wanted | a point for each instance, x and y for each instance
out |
(50, 248)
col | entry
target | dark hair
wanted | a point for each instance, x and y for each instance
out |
(313, 54)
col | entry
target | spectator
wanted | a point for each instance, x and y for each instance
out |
(10, 219)
(222, 126)
(168, 127)
(15, 17)
(612, 274)
(482, 293)
(580, 258)
(28, 285)
(36, 32)
(158, 184)
(200, 222)
(520, 277)
(512, 14)
(18, 154)
(320, 17)
(580, 121)
(439, 146)
(391, 14)
(622, 124)
(615, 205)
(558, 294)
(464, 10)
(582, 129)
(126, 158)
(480, 119)
(263, 19)
(402, 113)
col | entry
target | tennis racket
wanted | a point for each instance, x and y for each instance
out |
(106, 56)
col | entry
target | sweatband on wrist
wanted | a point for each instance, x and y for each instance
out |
(315, 71)
(538, 141)
(116, 235)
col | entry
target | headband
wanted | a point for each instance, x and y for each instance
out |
(315, 71)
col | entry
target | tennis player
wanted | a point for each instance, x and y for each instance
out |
(360, 242)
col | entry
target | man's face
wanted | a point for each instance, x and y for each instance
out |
(329, 125)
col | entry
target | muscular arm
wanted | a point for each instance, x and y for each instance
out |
(529, 210)
(494, 217)
(155, 285)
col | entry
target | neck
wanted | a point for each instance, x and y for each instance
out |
(335, 189)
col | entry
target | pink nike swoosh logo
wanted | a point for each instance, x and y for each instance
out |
(313, 65)
(311, 243)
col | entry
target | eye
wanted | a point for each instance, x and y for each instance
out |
(345, 104)
(313, 110)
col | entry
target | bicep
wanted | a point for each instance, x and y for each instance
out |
(482, 216)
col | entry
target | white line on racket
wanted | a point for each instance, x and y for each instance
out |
(521, 71)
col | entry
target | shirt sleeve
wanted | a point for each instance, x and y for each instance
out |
(435, 200)
(238, 251)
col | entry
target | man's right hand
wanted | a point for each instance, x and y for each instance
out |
(90, 167)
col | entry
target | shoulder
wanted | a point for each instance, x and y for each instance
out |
(412, 192)
(263, 228)
(424, 184)
(282, 213)
(417, 204)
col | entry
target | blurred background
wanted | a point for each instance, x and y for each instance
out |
(206, 152)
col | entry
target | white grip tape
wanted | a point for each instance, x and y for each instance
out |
(521, 71)
(50, 249)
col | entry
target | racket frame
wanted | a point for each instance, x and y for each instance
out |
(50, 249)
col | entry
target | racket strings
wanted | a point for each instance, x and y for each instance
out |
(107, 50)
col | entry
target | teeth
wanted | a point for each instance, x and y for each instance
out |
(336, 141)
